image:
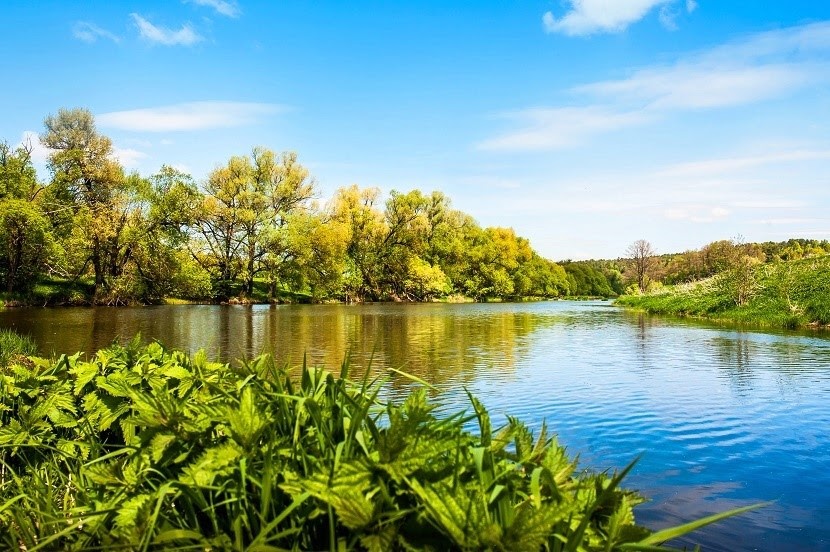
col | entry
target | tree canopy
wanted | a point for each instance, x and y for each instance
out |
(255, 227)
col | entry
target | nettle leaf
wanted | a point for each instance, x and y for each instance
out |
(459, 512)
(53, 403)
(13, 433)
(84, 373)
(131, 519)
(119, 384)
(159, 445)
(246, 421)
(103, 473)
(532, 527)
(380, 541)
(174, 370)
(558, 463)
(217, 461)
(349, 492)
(103, 410)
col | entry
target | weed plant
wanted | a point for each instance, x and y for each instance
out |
(141, 448)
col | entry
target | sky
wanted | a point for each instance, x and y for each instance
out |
(583, 124)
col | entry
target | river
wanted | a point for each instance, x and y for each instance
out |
(723, 417)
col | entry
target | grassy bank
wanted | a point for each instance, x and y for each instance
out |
(54, 292)
(146, 449)
(58, 292)
(788, 294)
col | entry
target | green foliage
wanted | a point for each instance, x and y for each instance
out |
(784, 294)
(26, 242)
(144, 448)
(585, 279)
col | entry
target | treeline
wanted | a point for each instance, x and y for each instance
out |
(724, 255)
(251, 228)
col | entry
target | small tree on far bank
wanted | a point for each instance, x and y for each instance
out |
(641, 254)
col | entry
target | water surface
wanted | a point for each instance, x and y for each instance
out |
(723, 417)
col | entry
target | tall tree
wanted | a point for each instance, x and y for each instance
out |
(247, 205)
(641, 254)
(83, 166)
(18, 178)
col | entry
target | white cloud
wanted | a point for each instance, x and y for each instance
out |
(696, 213)
(128, 157)
(484, 182)
(691, 5)
(189, 116)
(222, 7)
(592, 16)
(39, 152)
(756, 68)
(553, 128)
(731, 164)
(185, 36)
(705, 85)
(668, 17)
(789, 221)
(90, 32)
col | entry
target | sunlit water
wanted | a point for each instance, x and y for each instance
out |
(722, 417)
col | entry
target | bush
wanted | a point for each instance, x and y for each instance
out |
(143, 448)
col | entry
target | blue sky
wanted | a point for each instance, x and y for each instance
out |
(583, 124)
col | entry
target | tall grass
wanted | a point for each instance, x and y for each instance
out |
(149, 449)
(786, 294)
(13, 345)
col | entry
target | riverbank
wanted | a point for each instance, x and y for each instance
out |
(792, 294)
(77, 293)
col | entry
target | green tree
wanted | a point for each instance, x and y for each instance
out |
(86, 174)
(354, 209)
(25, 241)
(18, 178)
(246, 204)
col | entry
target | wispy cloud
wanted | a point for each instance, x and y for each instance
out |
(128, 157)
(587, 17)
(222, 7)
(31, 140)
(558, 127)
(90, 32)
(185, 36)
(696, 213)
(753, 69)
(189, 116)
(731, 164)
(789, 221)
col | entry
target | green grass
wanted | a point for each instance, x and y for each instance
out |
(50, 292)
(13, 345)
(149, 449)
(788, 294)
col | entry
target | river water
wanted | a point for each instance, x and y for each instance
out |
(723, 417)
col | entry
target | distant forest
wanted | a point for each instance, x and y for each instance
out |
(255, 230)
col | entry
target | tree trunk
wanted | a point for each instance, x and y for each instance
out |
(97, 266)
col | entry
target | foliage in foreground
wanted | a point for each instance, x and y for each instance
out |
(784, 294)
(143, 448)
